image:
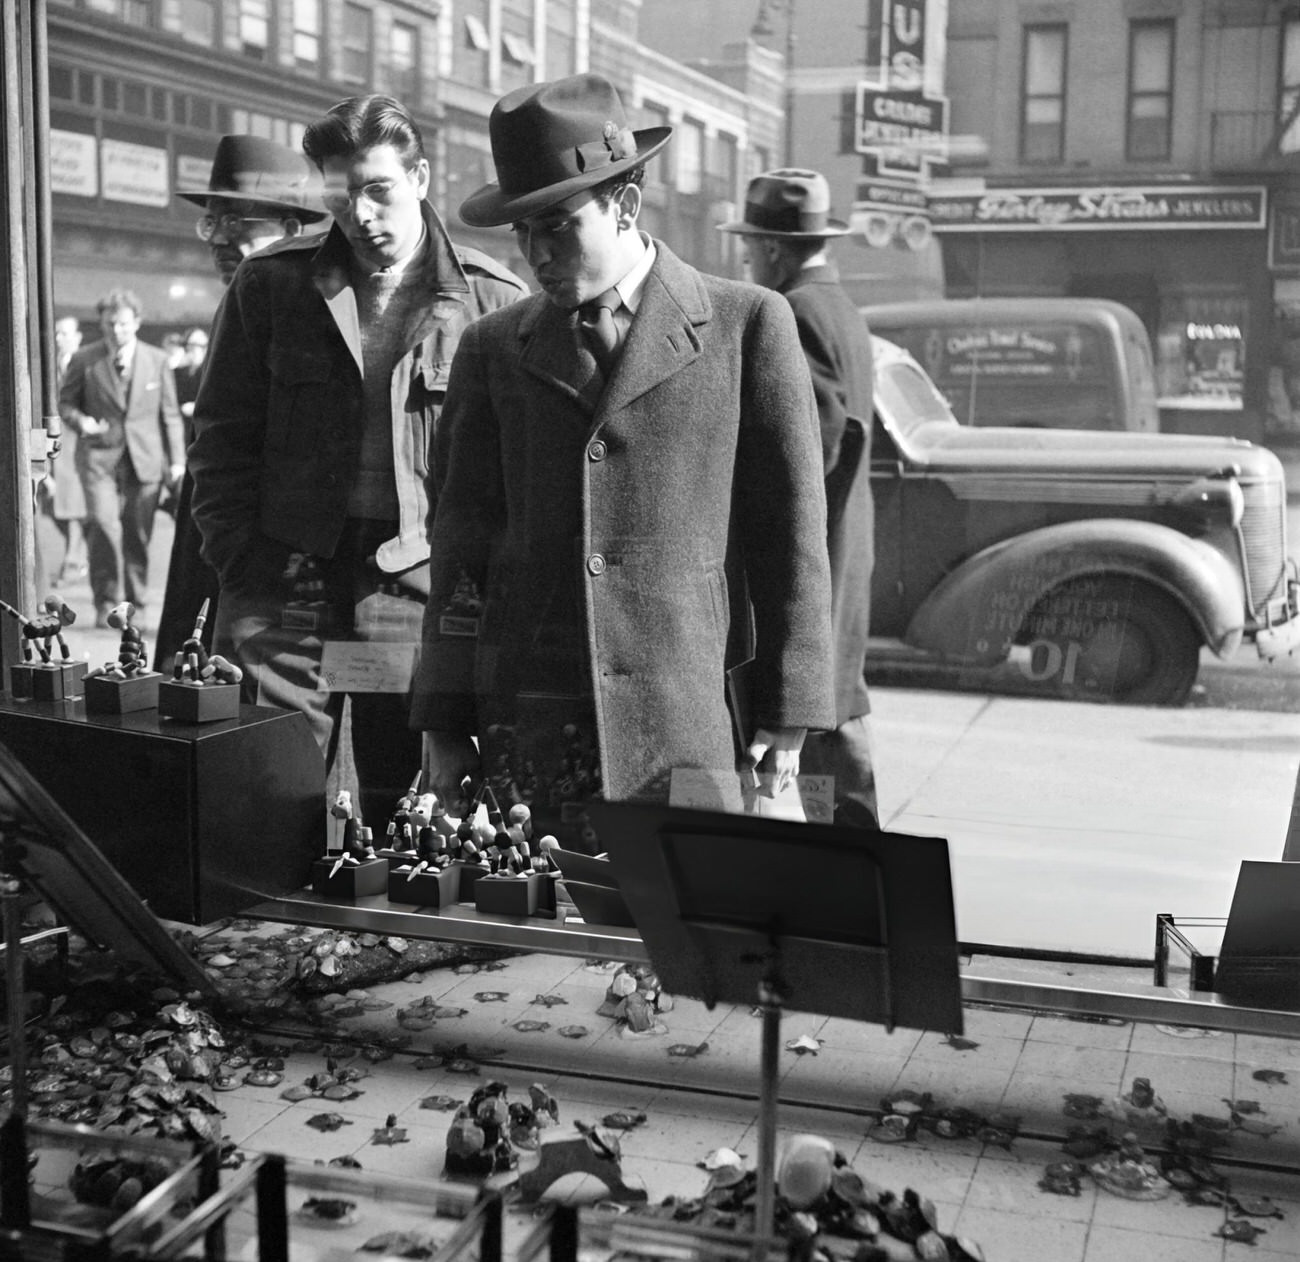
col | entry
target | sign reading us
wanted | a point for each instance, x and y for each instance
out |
(1111, 208)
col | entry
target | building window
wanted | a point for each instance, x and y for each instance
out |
(476, 36)
(689, 140)
(138, 12)
(404, 62)
(1042, 94)
(85, 88)
(356, 44)
(110, 94)
(1150, 90)
(255, 28)
(61, 82)
(306, 34)
(517, 49)
(1288, 95)
(199, 21)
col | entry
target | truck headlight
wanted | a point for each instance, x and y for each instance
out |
(1220, 498)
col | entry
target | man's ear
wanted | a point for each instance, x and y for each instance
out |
(629, 206)
(291, 227)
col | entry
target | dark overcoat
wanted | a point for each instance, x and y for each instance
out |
(837, 345)
(656, 533)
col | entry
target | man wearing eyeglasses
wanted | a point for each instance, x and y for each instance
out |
(258, 192)
(326, 373)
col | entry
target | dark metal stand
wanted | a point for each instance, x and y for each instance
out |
(866, 931)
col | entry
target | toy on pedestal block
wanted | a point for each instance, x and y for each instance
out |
(400, 847)
(126, 685)
(350, 868)
(515, 886)
(202, 689)
(46, 679)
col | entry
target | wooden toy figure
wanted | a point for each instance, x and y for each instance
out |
(44, 629)
(132, 659)
(192, 657)
(401, 829)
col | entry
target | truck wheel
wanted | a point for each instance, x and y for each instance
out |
(1112, 638)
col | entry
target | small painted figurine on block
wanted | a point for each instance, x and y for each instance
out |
(45, 629)
(132, 659)
(401, 827)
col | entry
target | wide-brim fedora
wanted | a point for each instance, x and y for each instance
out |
(251, 169)
(552, 140)
(788, 202)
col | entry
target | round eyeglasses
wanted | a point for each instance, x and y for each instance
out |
(231, 224)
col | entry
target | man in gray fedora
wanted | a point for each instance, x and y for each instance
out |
(787, 228)
(629, 495)
(258, 192)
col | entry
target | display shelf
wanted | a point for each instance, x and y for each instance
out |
(1150, 1005)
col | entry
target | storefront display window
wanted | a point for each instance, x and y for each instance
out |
(1201, 351)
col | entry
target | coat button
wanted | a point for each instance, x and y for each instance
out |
(595, 564)
(331, 479)
(597, 450)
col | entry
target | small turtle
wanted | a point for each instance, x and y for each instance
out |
(1274, 1077)
(263, 1078)
(1255, 1206)
(334, 1211)
(1063, 1178)
(1239, 1231)
(328, 1121)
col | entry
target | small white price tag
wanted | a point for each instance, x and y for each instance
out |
(352, 666)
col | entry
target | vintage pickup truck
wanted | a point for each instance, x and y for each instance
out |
(1103, 560)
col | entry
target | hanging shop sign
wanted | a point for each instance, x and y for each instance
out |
(134, 173)
(1106, 208)
(886, 212)
(905, 130)
(73, 168)
(1284, 232)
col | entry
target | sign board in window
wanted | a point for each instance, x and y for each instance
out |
(72, 163)
(192, 172)
(134, 173)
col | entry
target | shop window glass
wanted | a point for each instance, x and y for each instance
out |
(1042, 106)
(255, 28)
(199, 21)
(306, 34)
(356, 44)
(1150, 95)
(1201, 351)
(404, 62)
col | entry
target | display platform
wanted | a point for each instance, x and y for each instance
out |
(202, 819)
(1148, 1005)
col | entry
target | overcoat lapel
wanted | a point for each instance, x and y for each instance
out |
(663, 337)
(552, 353)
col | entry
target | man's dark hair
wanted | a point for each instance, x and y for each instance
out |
(117, 298)
(362, 122)
(604, 193)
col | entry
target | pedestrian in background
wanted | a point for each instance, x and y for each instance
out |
(64, 499)
(258, 193)
(787, 228)
(627, 479)
(325, 378)
(119, 397)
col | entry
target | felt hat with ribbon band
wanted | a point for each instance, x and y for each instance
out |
(788, 203)
(250, 169)
(552, 140)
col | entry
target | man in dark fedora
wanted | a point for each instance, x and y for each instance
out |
(629, 495)
(787, 229)
(326, 372)
(258, 192)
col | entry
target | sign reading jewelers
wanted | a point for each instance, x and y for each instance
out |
(1110, 208)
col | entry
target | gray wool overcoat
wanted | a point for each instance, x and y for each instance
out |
(638, 541)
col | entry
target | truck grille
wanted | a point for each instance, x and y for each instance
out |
(1263, 528)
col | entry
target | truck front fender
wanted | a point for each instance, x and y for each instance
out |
(977, 611)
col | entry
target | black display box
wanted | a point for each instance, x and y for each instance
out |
(352, 880)
(47, 681)
(203, 820)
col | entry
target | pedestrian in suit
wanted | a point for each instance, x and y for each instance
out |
(787, 230)
(119, 397)
(258, 192)
(624, 491)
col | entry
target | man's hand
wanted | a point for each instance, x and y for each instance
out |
(174, 474)
(780, 746)
(448, 758)
(89, 426)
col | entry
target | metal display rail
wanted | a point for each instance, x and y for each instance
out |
(1151, 1005)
